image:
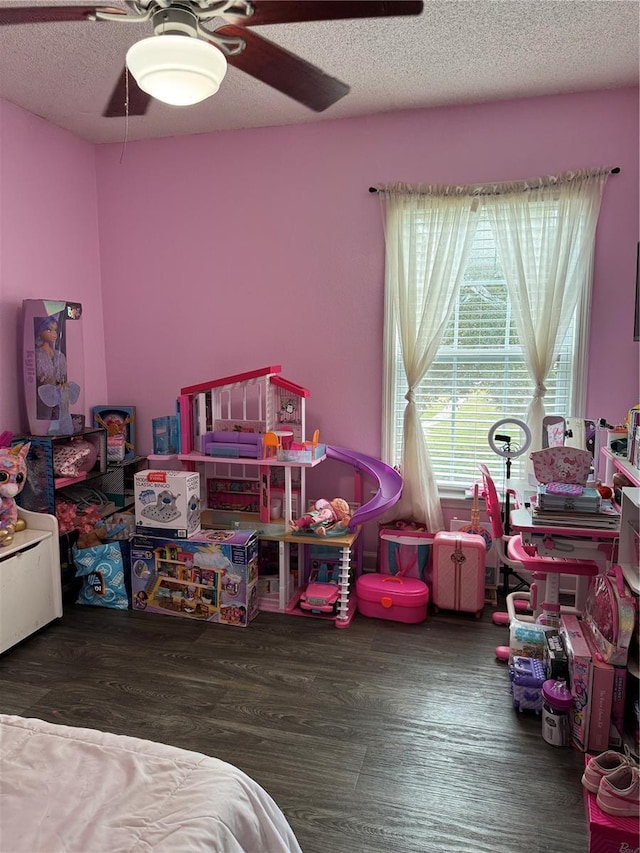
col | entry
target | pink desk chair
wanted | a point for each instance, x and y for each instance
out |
(543, 597)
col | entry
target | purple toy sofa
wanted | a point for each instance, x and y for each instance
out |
(232, 444)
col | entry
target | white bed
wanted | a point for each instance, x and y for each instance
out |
(65, 789)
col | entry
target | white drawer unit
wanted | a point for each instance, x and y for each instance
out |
(30, 583)
(629, 548)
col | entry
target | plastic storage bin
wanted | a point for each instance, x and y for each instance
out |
(392, 597)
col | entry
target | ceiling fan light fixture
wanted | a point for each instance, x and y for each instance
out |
(178, 70)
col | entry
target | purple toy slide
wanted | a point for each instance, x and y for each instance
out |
(388, 479)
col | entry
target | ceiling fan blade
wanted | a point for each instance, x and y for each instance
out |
(138, 100)
(51, 14)
(293, 11)
(284, 71)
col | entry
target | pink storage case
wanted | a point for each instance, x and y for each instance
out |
(392, 597)
(609, 834)
(458, 571)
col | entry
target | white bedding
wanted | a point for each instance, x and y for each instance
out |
(66, 789)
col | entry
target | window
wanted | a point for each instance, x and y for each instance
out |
(479, 375)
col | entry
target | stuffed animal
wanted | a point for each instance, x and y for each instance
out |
(13, 475)
(333, 515)
(605, 492)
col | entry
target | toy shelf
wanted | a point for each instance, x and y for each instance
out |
(42, 487)
(619, 463)
(61, 482)
(243, 486)
(240, 494)
(346, 604)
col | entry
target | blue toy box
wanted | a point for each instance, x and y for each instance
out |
(211, 577)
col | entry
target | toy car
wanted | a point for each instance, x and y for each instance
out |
(322, 592)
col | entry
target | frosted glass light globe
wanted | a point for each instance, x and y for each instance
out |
(175, 69)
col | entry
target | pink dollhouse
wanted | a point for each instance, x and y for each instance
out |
(258, 401)
(232, 420)
(247, 432)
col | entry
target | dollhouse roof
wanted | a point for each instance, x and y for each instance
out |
(269, 373)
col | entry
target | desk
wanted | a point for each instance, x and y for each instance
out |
(578, 543)
(574, 543)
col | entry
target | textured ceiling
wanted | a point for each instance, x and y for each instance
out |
(456, 51)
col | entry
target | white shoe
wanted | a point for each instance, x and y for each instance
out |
(601, 766)
(619, 792)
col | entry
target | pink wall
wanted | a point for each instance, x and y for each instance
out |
(48, 245)
(225, 252)
(230, 251)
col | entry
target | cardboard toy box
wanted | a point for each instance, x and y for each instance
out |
(581, 676)
(53, 366)
(167, 503)
(617, 706)
(555, 659)
(211, 577)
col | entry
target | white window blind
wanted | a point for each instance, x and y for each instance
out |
(479, 375)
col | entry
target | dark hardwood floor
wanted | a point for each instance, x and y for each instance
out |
(381, 738)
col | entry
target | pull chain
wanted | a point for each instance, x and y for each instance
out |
(126, 114)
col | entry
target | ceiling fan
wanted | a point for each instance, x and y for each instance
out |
(184, 61)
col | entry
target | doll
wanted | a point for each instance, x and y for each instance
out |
(333, 515)
(51, 362)
(620, 482)
(13, 475)
(55, 393)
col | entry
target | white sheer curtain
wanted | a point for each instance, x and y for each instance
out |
(545, 232)
(428, 234)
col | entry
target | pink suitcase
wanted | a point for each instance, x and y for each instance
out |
(458, 572)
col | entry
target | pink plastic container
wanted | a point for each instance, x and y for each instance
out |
(392, 597)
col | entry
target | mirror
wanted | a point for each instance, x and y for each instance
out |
(569, 432)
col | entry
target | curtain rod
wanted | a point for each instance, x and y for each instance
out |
(614, 171)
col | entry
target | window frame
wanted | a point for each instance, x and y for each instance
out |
(575, 343)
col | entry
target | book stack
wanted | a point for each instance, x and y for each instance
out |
(606, 517)
(583, 500)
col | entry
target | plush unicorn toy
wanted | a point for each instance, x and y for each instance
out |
(13, 475)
